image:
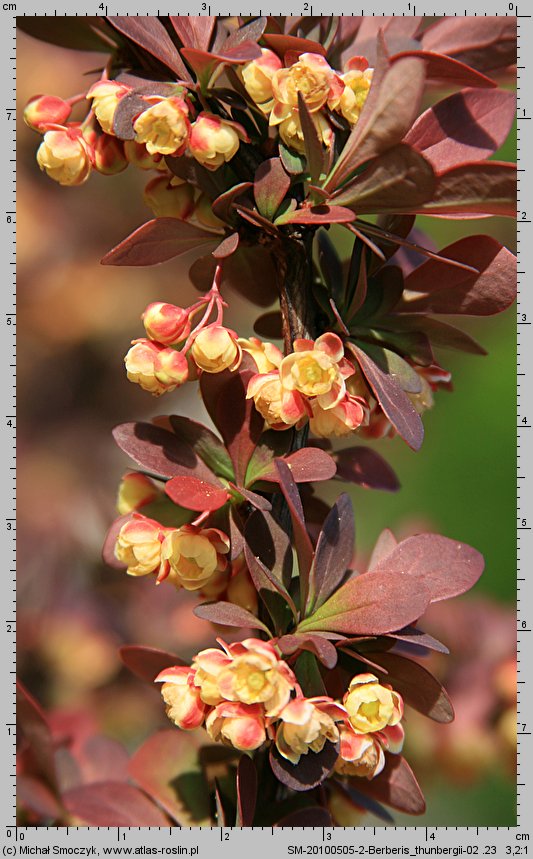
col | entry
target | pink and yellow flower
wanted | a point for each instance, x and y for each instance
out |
(305, 724)
(169, 197)
(139, 546)
(135, 491)
(371, 707)
(257, 78)
(194, 555)
(344, 418)
(280, 408)
(65, 156)
(214, 141)
(317, 368)
(215, 349)
(239, 725)
(109, 158)
(266, 355)
(105, 96)
(291, 131)
(164, 127)
(184, 706)
(360, 754)
(44, 110)
(138, 156)
(357, 83)
(156, 368)
(166, 323)
(313, 77)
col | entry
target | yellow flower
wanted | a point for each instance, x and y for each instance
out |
(266, 356)
(237, 725)
(280, 408)
(257, 78)
(65, 156)
(317, 368)
(105, 97)
(169, 197)
(138, 156)
(164, 128)
(291, 131)
(341, 420)
(43, 110)
(360, 754)
(156, 368)
(216, 349)
(135, 491)
(184, 706)
(311, 76)
(195, 555)
(214, 141)
(356, 87)
(305, 725)
(256, 675)
(139, 545)
(371, 707)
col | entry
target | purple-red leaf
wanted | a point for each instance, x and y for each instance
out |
(467, 126)
(334, 551)
(318, 215)
(310, 770)
(222, 206)
(235, 417)
(371, 604)
(270, 187)
(395, 786)
(484, 42)
(307, 465)
(269, 543)
(385, 543)
(246, 792)
(302, 541)
(447, 70)
(35, 795)
(478, 188)
(314, 815)
(157, 241)
(229, 614)
(314, 151)
(366, 467)
(195, 494)
(204, 443)
(393, 400)
(250, 32)
(280, 44)
(194, 30)
(128, 108)
(160, 451)
(323, 649)
(110, 803)
(166, 766)
(227, 247)
(415, 637)
(420, 689)
(149, 33)
(446, 568)
(36, 731)
(147, 662)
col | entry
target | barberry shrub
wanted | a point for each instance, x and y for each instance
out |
(257, 136)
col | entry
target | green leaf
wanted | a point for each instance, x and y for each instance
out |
(309, 676)
(205, 443)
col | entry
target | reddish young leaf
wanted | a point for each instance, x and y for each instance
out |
(110, 803)
(160, 451)
(167, 767)
(250, 32)
(149, 33)
(395, 786)
(384, 120)
(385, 543)
(446, 70)
(246, 792)
(147, 662)
(195, 494)
(413, 636)
(222, 207)
(318, 215)
(393, 400)
(323, 649)
(367, 468)
(269, 543)
(307, 465)
(280, 44)
(157, 241)
(467, 126)
(229, 614)
(484, 42)
(195, 31)
(270, 186)
(256, 219)
(101, 759)
(478, 188)
(483, 294)
(334, 552)
(36, 731)
(371, 604)
(310, 770)
(399, 180)
(314, 815)
(256, 500)
(227, 247)
(302, 541)
(445, 567)
(417, 686)
(235, 417)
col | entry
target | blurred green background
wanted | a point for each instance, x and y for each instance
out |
(75, 321)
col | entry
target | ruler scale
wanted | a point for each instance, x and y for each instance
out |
(365, 840)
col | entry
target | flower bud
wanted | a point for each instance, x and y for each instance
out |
(109, 157)
(237, 725)
(195, 554)
(341, 420)
(184, 706)
(44, 110)
(169, 199)
(371, 706)
(164, 127)
(214, 140)
(139, 546)
(257, 78)
(138, 156)
(65, 156)
(155, 372)
(166, 323)
(105, 97)
(356, 86)
(216, 349)
(267, 357)
(171, 368)
(135, 491)
(360, 754)
(305, 725)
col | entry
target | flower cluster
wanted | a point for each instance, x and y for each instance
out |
(275, 88)
(189, 557)
(312, 383)
(246, 696)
